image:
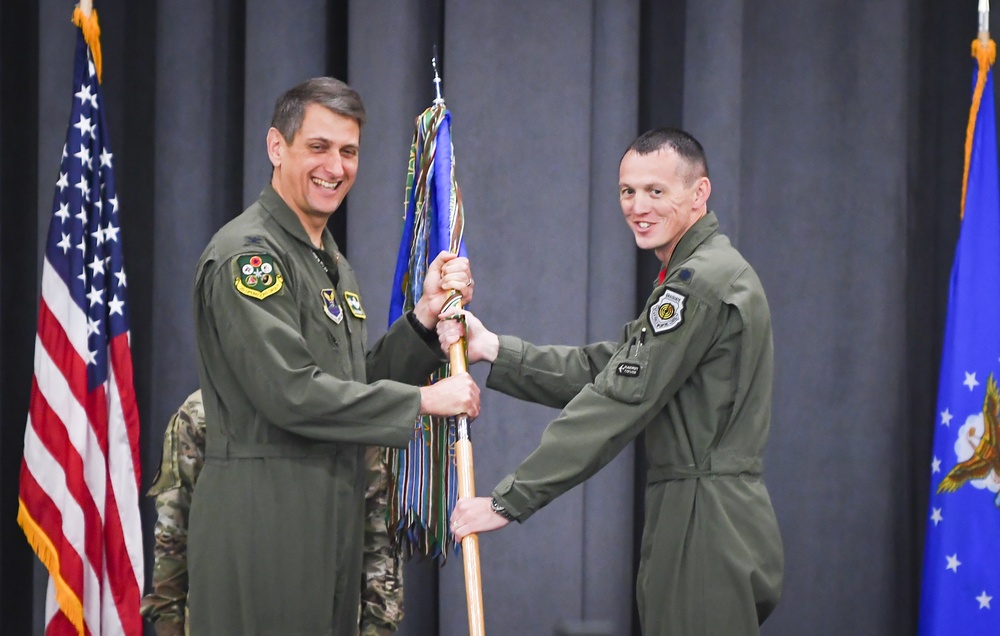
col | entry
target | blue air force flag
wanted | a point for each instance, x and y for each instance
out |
(961, 570)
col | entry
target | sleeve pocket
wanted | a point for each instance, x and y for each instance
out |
(626, 378)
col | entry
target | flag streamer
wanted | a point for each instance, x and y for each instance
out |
(424, 488)
(961, 583)
(79, 482)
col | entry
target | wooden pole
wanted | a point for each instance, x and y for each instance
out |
(467, 488)
(463, 445)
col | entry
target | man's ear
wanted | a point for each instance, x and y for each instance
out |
(703, 190)
(275, 146)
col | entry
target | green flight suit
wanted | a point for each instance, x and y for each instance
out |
(694, 372)
(291, 398)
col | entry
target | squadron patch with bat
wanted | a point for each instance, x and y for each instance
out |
(667, 313)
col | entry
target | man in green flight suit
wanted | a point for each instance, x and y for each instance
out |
(694, 371)
(292, 397)
(183, 457)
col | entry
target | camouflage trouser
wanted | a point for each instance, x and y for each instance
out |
(382, 588)
(183, 458)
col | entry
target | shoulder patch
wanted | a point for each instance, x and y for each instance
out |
(257, 276)
(667, 313)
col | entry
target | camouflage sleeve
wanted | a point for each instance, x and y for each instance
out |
(382, 584)
(183, 457)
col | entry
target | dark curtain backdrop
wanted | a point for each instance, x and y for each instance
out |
(834, 130)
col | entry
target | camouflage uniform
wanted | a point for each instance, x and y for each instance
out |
(183, 456)
(382, 586)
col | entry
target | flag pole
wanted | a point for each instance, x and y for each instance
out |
(467, 488)
(984, 22)
(463, 452)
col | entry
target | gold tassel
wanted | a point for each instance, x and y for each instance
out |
(69, 602)
(985, 56)
(91, 35)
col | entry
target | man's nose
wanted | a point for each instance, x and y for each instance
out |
(641, 204)
(335, 165)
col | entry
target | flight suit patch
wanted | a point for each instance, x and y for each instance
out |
(667, 313)
(354, 304)
(628, 369)
(331, 307)
(257, 276)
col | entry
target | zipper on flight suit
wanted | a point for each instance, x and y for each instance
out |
(333, 274)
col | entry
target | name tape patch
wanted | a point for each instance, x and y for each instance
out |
(628, 369)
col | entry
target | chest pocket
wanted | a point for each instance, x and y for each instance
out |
(355, 316)
(326, 339)
(626, 377)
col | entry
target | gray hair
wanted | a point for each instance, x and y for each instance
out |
(329, 92)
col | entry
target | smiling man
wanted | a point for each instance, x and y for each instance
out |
(693, 371)
(292, 398)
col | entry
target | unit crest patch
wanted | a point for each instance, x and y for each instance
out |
(667, 313)
(354, 304)
(257, 276)
(331, 307)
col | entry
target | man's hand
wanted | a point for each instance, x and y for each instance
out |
(445, 274)
(451, 396)
(482, 343)
(474, 515)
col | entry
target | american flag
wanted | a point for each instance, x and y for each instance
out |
(79, 488)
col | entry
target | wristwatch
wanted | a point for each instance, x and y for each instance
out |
(500, 510)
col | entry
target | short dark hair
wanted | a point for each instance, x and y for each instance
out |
(329, 92)
(683, 143)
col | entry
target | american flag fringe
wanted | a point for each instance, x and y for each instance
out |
(424, 482)
(79, 486)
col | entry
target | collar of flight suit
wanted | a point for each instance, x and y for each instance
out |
(286, 218)
(697, 234)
